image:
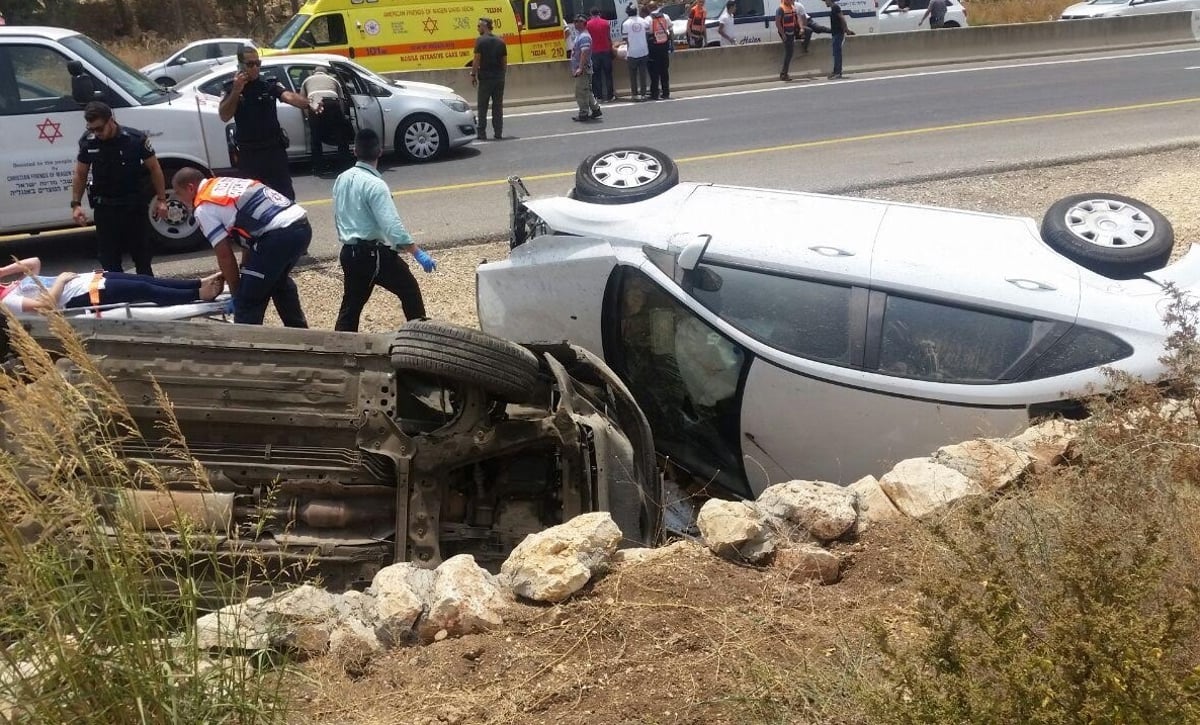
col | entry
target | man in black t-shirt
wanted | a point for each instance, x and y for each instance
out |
(487, 73)
(261, 142)
(839, 29)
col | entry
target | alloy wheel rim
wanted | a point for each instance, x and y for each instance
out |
(626, 169)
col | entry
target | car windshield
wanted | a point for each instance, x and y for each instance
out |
(127, 79)
(285, 37)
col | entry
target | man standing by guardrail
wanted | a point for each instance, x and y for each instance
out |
(581, 69)
(936, 13)
(488, 71)
(602, 57)
(787, 23)
(839, 29)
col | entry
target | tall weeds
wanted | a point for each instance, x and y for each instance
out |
(1076, 597)
(98, 609)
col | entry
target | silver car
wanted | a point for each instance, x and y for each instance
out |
(773, 335)
(418, 121)
(194, 58)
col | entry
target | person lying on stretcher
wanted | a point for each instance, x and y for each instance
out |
(69, 290)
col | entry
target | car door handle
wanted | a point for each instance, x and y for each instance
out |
(1031, 285)
(831, 251)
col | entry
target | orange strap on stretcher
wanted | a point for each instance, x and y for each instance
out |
(94, 290)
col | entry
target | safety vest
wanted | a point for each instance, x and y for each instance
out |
(789, 18)
(661, 27)
(256, 203)
(697, 17)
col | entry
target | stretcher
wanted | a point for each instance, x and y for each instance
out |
(218, 309)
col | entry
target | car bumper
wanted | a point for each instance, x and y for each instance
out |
(460, 127)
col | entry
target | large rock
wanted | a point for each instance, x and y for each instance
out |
(551, 565)
(400, 592)
(991, 463)
(919, 486)
(808, 562)
(464, 599)
(871, 503)
(803, 509)
(1046, 442)
(735, 530)
(298, 620)
(635, 557)
(243, 626)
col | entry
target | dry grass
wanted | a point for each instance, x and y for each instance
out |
(1003, 12)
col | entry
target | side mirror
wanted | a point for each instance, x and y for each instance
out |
(83, 88)
(689, 257)
(180, 60)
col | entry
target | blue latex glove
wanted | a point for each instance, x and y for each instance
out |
(427, 262)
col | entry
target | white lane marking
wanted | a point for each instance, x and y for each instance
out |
(1193, 67)
(610, 130)
(899, 76)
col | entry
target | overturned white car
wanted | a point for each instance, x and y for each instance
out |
(774, 335)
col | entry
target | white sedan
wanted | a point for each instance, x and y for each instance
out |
(774, 335)
(194, 58)
(418, 121)
(1116, 8)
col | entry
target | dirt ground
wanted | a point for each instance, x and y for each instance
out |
(689, 638)
(1166, 180)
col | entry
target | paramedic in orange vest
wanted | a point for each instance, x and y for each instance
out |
(272, 230)
(790, 19)
(697, 34)
(662, 44)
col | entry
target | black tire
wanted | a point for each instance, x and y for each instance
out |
(502, 368)
(179, 232)
(165, 81)
(624, 175)
(416, 133)
(950, 24)
(1110, 234)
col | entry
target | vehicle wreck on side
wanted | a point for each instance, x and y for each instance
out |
(774, 335)
(335, 454)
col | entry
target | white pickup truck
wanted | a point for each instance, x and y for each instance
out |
(46, 75)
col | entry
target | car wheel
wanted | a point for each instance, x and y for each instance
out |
(421, 137)
(165, 81)
(1109, 234)
(501, 368)
(950, 24)
(624, 175)
(179, 231)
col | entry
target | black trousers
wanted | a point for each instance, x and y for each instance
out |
(491, 91)
(660, 70)
(789, 48)
(267, 276)
(330, 126)
(364, 267)
(269, 164)
(122, 228)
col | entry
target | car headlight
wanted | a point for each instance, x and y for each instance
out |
(456, 104)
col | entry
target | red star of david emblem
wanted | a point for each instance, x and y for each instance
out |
(49, 131)
(430, 25)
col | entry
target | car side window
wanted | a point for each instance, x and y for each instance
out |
(41, 83)
(216, 86)
(227, 49)
(684, 374)
(941, 343)
(1080, 349)
(749, 8)
(796, 316)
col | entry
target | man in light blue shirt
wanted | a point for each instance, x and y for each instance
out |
(372, 235)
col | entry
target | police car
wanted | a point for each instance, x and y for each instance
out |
(418, 121)
(774, 335)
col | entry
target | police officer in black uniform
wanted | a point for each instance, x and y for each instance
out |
(119, 159)
(262, 144)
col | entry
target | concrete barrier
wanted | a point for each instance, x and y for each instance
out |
(533, 83)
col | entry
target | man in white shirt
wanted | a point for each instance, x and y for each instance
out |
(637, 54)
(725, 24)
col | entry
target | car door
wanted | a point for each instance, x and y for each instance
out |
(42, 126)
(373, 106)
(900, 15)
(291, 119)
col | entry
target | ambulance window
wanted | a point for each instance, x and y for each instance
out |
(42, 83)
(325, 30)
(543, 13)
(518, 7)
